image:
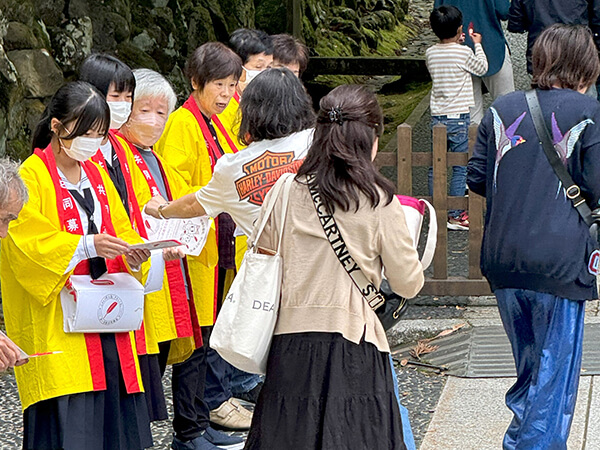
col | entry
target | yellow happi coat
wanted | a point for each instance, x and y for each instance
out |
(231, 118)
(162, 319)
(182, 146)
(35, 255)
(159, 321)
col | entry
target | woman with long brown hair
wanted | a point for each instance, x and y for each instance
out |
(329, 382)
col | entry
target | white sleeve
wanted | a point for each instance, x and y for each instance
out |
(85, 250)
(212, 196)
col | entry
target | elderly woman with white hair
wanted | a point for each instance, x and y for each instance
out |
(115, 80)
(154, 100)
(13, 195)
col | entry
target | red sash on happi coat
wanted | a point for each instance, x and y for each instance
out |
(219, 124)
(214, 153)
(71, 222)
(135, 216)
(179, 300)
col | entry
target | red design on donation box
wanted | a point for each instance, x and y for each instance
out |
(262, 173)
(594, 262)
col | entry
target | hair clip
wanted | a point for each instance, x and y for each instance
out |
(335, 115)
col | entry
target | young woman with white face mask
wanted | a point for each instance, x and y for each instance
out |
(73, 223)
(116, 81)
(255, 47)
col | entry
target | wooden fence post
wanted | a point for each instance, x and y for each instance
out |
(475, 220)
(404, 162)
(440, 201)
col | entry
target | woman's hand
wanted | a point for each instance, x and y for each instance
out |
(152, 206)
(108, 246)
(135, 257)
(173, 253)
(9, 354)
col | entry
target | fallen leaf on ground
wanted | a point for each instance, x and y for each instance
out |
(422, 348)
(404, 362)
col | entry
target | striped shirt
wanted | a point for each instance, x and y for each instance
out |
(451, 66)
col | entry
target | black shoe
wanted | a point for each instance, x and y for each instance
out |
(223, 440)
(252, 395)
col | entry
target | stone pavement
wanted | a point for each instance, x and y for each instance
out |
(470, 413)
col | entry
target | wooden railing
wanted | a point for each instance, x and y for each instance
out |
(472, 283)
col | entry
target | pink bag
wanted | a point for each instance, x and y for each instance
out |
(414, 212)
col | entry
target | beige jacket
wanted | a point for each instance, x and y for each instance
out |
(317, 293)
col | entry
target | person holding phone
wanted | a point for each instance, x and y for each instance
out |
(485, 17)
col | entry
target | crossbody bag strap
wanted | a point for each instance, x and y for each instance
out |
(334, 236)
(573, 191)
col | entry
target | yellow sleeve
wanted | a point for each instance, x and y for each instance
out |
(36, 243)
(183, 147)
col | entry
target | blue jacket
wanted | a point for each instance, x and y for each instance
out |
(486, 16)
(532, 16)
(534, 238)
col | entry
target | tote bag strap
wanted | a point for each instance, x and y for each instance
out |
(286, 179)
(429, 251)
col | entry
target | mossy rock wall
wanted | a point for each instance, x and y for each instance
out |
(43, 42)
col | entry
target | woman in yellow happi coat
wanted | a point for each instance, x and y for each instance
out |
(192, 144)
(89, 393)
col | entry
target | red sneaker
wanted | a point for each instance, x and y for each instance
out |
(459, 223)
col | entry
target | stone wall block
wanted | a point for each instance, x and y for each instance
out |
(39, 73)
(19, 36)
(50, 11)
(73, 43)
(135, 57)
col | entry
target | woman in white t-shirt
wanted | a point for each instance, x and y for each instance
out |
(277, 121)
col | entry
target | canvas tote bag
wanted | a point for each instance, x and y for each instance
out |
(244, 328)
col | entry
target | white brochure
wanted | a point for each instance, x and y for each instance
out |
(190, 232)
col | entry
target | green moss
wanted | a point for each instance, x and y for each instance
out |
(397, 107)
(391, 42)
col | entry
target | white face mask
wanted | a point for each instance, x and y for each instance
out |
(119, 113)
(82, 147)
(251, 74)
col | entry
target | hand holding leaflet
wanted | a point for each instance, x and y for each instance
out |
(191, 233)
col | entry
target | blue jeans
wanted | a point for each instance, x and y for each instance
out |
(457, 140)
(407, 433)
(223, 380)
(546, 336)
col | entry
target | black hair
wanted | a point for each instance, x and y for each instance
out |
(246, 43)
(77, 102)
(274, 105)
(288, 50)
(212, 61)
(445, 21)
(102, 70)
(349, 121)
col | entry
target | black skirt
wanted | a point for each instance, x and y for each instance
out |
(153, 389)
(101, 420)
(323, 392)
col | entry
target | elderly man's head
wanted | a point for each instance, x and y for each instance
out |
(13, 194)
(154, 100)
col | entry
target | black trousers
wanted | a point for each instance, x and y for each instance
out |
(191, 415)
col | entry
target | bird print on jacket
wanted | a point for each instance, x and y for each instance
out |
(564, 144)
(506, 138)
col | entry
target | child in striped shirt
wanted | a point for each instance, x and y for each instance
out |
(451, 65)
